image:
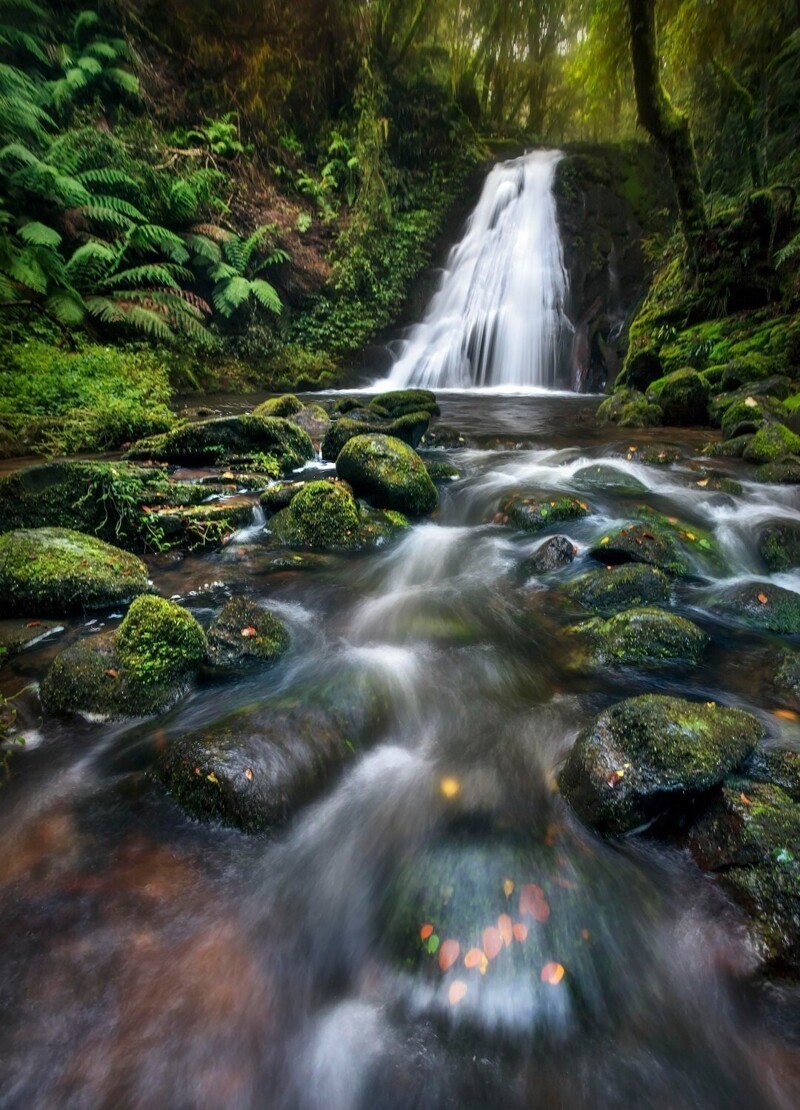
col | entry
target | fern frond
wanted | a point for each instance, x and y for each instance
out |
(230, 295)
(91, 261)
(223, 272)
(149, 274)
(124, 207)
(146, 320)
(106, 215)
(791, 250)
(155, 237)
(212, 231)
(67, 306)
(125, 80)
(39, 235)
(204, 248)
(84, 21)
(266, 295)
(107, 177)
(90, 66)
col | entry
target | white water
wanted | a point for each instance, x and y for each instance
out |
(498, 319)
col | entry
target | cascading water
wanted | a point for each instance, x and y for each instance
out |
(498, 319)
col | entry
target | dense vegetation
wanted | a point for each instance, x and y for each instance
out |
(189, 201)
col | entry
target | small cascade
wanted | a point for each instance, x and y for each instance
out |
(498, 319)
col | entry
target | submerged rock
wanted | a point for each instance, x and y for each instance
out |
(245, 632)
(553, 554)
(253, 769)
(786, 472)
(389, 473)
(602, 477)
(617, 588)
(761, 605)
(750, 836)
(445, 437)
(534, 514)
(140, 669)
(441, 471)
(787, 678)
(53, 571)
(648, 755)
(644, 637)
(779, 545)
(326, 516)
(228, 438)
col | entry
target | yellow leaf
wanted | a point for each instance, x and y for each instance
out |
(552, 973)
(449, 787)
(508, 887)
(212, 777)
(786, 714)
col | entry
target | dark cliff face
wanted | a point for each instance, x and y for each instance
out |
(610, 199)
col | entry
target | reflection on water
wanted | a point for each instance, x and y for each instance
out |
(154, 961)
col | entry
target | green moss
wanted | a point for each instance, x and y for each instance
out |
(287, 405)
(245, 631)
(159, 641)
(410, 428)
(629, 409)
(779, 546)
(440, 471)
(533, 514)
(772, 443)
(49, 571)
(759, 605)
(682, 397)
(230, 438)
(322, 515)
(207, 524)
(786, 472)
(612, 590)
(647, 755)
(644, 637)
(642, 543)
(389, 473)
(402, 402)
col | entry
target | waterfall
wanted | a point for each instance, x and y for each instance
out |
(498, 319)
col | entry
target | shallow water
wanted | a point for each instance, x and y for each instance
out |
(150, 960)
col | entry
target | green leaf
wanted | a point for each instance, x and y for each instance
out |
(39, 235)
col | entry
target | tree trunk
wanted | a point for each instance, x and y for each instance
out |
(668, 127)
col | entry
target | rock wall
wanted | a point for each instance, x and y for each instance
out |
(611, 199)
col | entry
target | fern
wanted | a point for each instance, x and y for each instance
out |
(791, 250)
(39, 235)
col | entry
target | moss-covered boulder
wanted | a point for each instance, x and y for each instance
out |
(750, 836)
(645, 637)
(759, 605)
(253, 769)
(787, 678)
(776, 767)
(388, 473)
(440, 471)
(682, 397)
(553, 554)
(278, 496)
(444, 437)
(629, 409)
(642, 543)
(779, 545)
(649, 755)
(786, 472)
(229, 438)
(534, 514)
(52, 571)
(401, 402)
(410, 428)
(772, 443)
(326, 516)
(314, 420)
(615, 589)
(208, 524)
(245, 632)
(642, 368)
(743, 418)
(286, 405)
(136, 671)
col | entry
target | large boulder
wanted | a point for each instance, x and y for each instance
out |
(646, 637)
(401, 402)
(779, 545)
(649, 755)
(682, 397)
(614, 589)
(534, 514)
(772, 443)
(140, 669)
(52, 571)
(286, 405)
(253, 769)
(230, 438)
(672, 545)
(759, 605)
(629, 409)
(326, 516)
(389, 473)
(410, 428)
(246, 632)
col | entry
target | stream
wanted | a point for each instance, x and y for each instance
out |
(150, 960)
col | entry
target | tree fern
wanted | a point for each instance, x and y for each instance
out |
(39, 235)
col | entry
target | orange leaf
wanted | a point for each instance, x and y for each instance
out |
(533, 903)
(763, 599)
(249, 631)
(426, 931)
(474, 958)
(112, 673)
(492, 942)
(520, 931)
(458, 988)
(34, 624)
(505, 928)
(248, 774)
(786, 714)
(448, 954)
(745, 799)
(585, 934)
(552, 973)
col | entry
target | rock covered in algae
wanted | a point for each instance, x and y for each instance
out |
(409, 427)
(246, 632)
(779, 545)
(534, 514)
(645, 637)
(286, 405)
(388, 473)
(325, 515)
(682, 397)
(648, 755)
(136, 671)
(52, 571)
(615, 588)
(759, 605)
(228, 438)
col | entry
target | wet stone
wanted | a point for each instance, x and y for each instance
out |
(553, 554)
(614, 589)
(646, 638)
(534, 514)
(779, 546)
(246, 632)
(759, 605)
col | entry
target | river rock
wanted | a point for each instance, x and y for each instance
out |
(389, 473)
(648, 755)
(53, 571)
(140, 669)
(776, 767)
(779, 545)
(772, 443)
(761, 605)
(642, 543)
(750, 835)
(784, 473)
(326, 516)
(401, 402)
(682, 397)
(286, 405)
(441, 471)
(614, 589)
(314, 420)
(208, 524)
(278, 496)
(445, 437)
(646, 637)
(245, 632)
(787, 678)
(601, 478)
(629, 409)
(229, 438)
(253, 769)
(534, 514)
(553, 554)
(410, 428)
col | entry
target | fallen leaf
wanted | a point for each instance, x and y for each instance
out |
(750, 402)
(763, 599)
(34, 624)
(703, 484)
(448, 954)
(212, 777)
(111, 672)
(249, 631)
(520, 931)
(615, 777)
(504, 927)
(426, 931)
(433, 945)
(532, 903)
(449, 787)
(474, 958)
(648, 536)
(585, 934)
(552, 973)
(492, 942)
(458, 989)
(786, 714)
(508, 887)
(745, 799)
(248, 774)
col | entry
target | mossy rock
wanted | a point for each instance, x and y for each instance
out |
(410, 428)
(743, 418)
(245, 632)
(650, 755)
(732, 449)
(440, 471)
(776, 767)
(642, 543)
(740, 373)
(286, 405)
(628, 408)
(787, 678)
(389, 473)
(642, 368)
(225, 438)
(750, 836)
(553, 554)
(208, 524)
(772, 443)
(444, 437)
(779, 545)
(682, 397)
(53, 571)
(255, 768)
(278, 496)
(604, 478)
(534, 514)
(786, 472)
(314, 421)
(656, 454)
(615, 589)
(325, 515)
(139, 670)
(645, 637)
(401, 402)
(759, 605)
(768, 394)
